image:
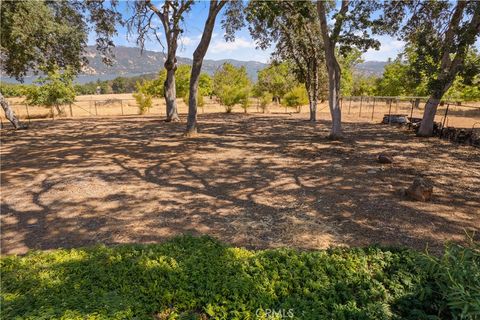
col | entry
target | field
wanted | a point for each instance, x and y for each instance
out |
(255, 180)
(459, 116)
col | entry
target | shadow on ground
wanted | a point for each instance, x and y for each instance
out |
(257, 181)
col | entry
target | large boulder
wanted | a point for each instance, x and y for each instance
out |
(420, 190)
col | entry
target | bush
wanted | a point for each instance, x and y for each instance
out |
(296, 98)
(198, 278)
(232, 86)
(144, 95)
(265, 100)
(455, 281)
(144, 102)
(200, 100)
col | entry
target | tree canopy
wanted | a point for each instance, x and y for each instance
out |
(53, 34)
(293, 27)
(438, 36)
(232, 86)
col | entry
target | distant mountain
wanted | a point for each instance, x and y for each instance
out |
(371, 68)
(131, 61)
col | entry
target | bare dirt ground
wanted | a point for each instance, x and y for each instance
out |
(253, 180)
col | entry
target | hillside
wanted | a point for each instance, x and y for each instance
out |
(130, 61)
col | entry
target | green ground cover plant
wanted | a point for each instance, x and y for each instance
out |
(201, 278)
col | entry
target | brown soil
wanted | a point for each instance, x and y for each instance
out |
(258, 181)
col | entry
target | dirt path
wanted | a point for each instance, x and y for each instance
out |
(252, 180)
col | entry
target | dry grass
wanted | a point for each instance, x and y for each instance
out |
(253, 180)
(124, 104)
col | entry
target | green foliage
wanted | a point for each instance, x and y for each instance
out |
(182, 84)
(454, 281)
(205, 84)
(41, 35)
(144, 95)
(119, 85)
(296, 97)
(364, 86)
(439, 37)
(13, 90)
(55, 89)
(190, 278)
(276, 79)
(397, 80)
(394, 81)
(265, 99)
(347, 62)
(200, 99)
(182, 80)
(232, 86)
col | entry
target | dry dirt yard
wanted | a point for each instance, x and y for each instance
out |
(257, 181)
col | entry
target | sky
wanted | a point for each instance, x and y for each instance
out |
(243, 48)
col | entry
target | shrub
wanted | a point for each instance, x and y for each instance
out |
(144, 102)
(455, 281)
(197, 278)
(296, 98)
(265, 100)
(232, 86)
(54, 90)
(145, 91)
(200, 100)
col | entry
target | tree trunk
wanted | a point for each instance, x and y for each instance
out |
(9, 114)
(426, 127)
(198, 56)
(450, 68)
(170, 96)
(334, 100)
(333, 69)
(60, 110)
(313, 110)
(192, 98)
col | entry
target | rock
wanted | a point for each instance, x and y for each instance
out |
(420, 190)
(400, 191)
(371, 171)
(382, 158)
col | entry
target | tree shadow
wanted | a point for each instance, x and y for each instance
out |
(258, 181)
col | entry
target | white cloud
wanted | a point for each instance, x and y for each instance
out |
(220, 46)
(389, 48)
(186, 40)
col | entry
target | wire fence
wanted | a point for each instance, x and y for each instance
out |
(454, 120)
(354, 108)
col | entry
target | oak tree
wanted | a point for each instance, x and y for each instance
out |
(438, 36)
(43, 35)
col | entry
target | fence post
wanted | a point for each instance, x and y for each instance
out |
(121, 105)
(373, 107)
(71, 111)
(96, 111)
(444, 119)
(28, 114)
(396, 105)
(350, 104)
(390, 112)
(360, 112)
(411, 112)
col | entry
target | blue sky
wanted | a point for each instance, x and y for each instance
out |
(243, 48)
